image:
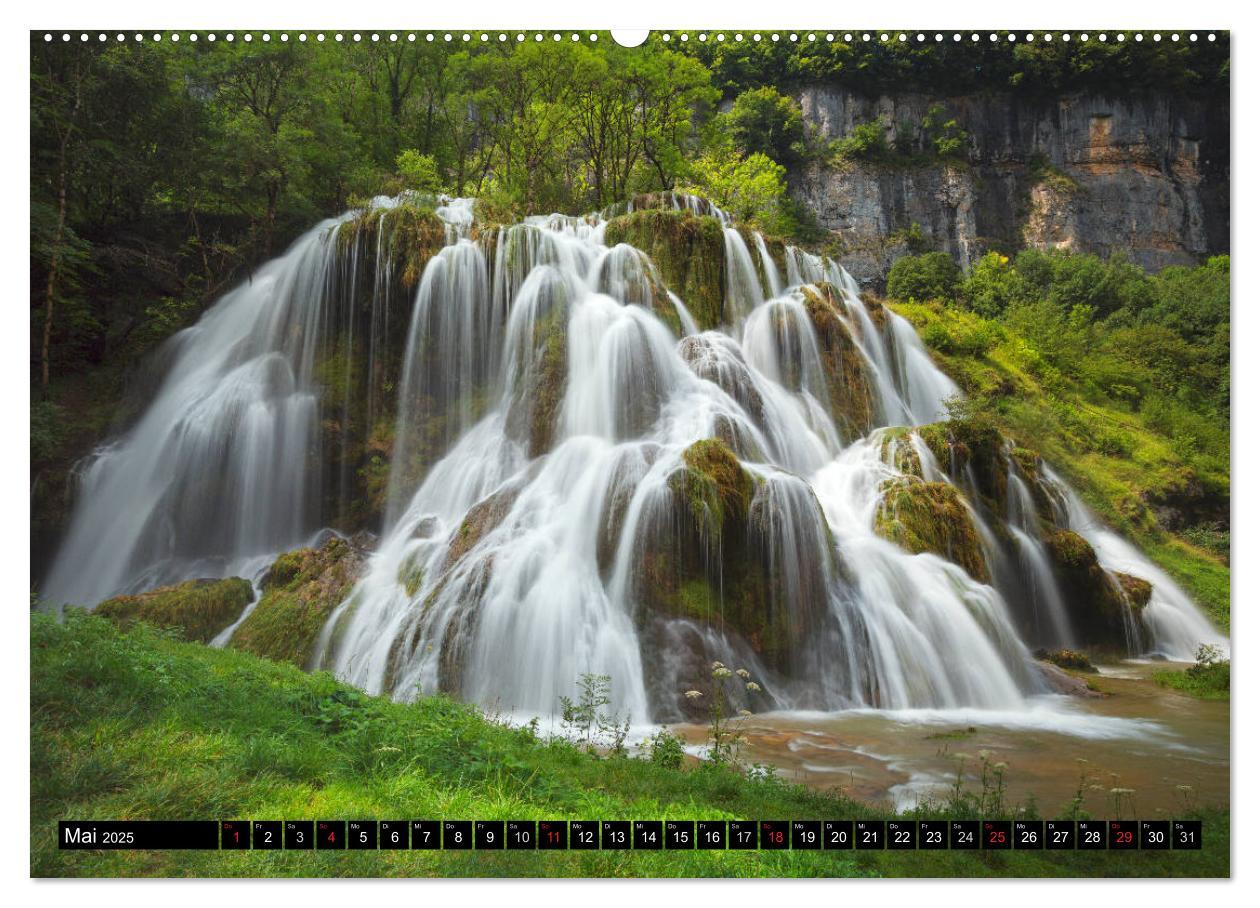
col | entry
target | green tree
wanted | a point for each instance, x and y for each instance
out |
(992, 285)
(763, 121)
(419, 171)
(58, 88)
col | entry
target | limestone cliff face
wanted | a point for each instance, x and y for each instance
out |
(1145, 175)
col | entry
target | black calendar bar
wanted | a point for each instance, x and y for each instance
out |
(112, 835)
(632, 835)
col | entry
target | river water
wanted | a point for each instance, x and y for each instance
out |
(1171, 750)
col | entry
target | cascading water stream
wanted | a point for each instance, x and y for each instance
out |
(546, 420)
(1036, 572)
(528, 608)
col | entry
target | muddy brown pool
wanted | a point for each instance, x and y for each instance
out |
(1170, 750)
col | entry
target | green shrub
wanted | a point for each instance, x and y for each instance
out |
(751, 188)
(992, 285)
(665, 749)
(933, 275)
(945, 138)
(867, 142)
(419, 171)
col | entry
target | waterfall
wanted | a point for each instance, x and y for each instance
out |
(743, 286)
(544, 515)
(769, 269)
(1051, 624)
(224, 464)
(452, 351)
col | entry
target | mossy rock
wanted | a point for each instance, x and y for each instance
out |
(338, 373)
(931, 517)
(1135, 589)
(481, 518)
(300, 591)
(411, 575)
(876, 309)
(713, 485)
(978, 448)
(548, 391)
(534, 413)
(1070, 551)
(848, 385)
(199, 609)
(898, 451)
(689, 253)
(704, 560)
(1104, 607)
(1068, 659)
(977, 445)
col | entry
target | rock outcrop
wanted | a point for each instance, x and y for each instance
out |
(1105, 607)
(1144, 175)
(931, 517)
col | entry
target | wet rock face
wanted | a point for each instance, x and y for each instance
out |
(1146, 175)
(1105, 608)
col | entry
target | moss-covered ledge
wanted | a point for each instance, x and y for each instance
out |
(199, 609)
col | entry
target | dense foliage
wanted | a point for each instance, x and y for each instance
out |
(1009, 63)
(144, 211)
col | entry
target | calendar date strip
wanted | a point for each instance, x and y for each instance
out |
(630, 835)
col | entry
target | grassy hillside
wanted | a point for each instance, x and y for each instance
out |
(1133, 415)
(137, 724)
